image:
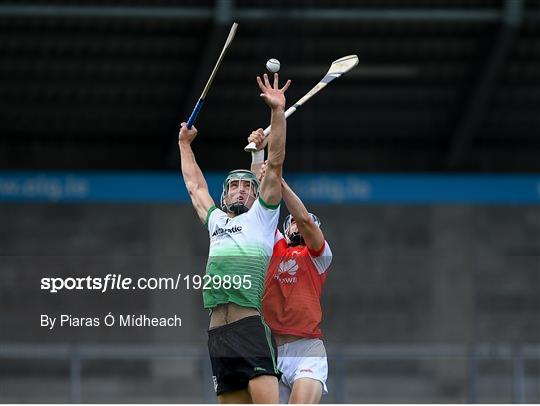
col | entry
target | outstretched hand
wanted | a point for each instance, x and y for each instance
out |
(273, 95)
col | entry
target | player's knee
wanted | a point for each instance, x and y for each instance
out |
(264, 389)
(306, 390)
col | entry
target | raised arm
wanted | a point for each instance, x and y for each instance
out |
(193, 177)
(274, 97)
(311, 233)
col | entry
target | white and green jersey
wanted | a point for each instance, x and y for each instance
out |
(240, 250)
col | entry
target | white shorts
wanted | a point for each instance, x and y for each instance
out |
(305, 358)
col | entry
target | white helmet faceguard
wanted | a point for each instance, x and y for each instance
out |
(237, 204)
(296, 238)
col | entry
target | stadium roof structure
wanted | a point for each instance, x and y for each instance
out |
(442, 86)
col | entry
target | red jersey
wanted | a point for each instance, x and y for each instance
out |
(293, 287)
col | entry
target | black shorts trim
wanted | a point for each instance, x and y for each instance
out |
(241, 351)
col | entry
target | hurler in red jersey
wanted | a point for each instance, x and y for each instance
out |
(291, 302)
(292, 293)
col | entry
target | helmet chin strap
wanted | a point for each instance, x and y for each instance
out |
(296, 239)
(237, 208)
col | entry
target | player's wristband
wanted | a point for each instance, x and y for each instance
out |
(257, 157)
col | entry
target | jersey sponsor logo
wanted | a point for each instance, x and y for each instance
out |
(306, 370)
(288, 267)
(259, 369)
(221, 231)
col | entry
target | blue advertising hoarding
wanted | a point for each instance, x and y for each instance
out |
(322, 188)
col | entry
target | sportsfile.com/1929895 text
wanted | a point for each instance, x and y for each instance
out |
(112, 282)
